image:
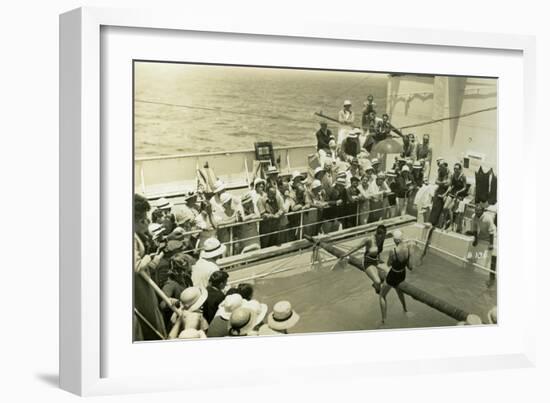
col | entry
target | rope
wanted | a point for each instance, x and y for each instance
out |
(449, 118)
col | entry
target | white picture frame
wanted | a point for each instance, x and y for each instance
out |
(83, 186)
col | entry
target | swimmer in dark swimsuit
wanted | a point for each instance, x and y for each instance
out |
(398, 261)
(371, 257)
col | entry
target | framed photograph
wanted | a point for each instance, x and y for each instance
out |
(328, 200)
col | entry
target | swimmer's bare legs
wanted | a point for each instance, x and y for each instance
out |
(372, 273)
(401, 298)
(383, 303)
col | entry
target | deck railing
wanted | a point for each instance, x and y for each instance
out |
(360, 216)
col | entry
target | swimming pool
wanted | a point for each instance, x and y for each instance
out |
(344, 300)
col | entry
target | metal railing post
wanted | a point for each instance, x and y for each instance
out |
(231, 241)
(357, 215)
(301, 224)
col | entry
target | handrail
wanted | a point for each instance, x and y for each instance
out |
(214, 153)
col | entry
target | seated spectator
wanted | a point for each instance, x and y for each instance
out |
(280, 320)
(242, 322)
(323, 135)
(217, 283)
(206, 265)
(219, 327)
(350, 147)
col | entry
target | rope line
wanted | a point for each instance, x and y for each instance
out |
(449, 118)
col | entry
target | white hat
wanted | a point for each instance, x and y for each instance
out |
(340, 181)
(219, 186)
(229, 304)
(316, 184)
(283, 316)
(375, 161)
(243, 320)
(193, 298)
(257, 181)
(405, 169)
(163, 204)
(212, 248)
(225, 198)
(347, 102)
(296, 175)
(156, 230)
(397, 235)
(317, 170)
(183, 215)
(260, 310)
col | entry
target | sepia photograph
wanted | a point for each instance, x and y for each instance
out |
(271, 201)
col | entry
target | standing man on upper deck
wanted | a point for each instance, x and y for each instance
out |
(346, 119)
(424, 152)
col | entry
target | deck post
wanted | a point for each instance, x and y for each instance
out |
(301, 225)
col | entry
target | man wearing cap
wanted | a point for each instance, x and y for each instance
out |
(346, 119)
(206, 265)
(323, 135)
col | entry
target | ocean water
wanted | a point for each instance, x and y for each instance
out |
(229, 108)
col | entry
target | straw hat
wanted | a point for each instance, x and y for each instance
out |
(156, 230)
(183, 216)
(375, 161)
(212, 248)
(283, 316)
(219, 186)
(193, 298)
(246, 198)
(163, 204)
(226, 198)
(296, 175)
(316, 184)
(347, 102)
(260, 310)
(405, 169)
(340, 181)
(229, 304)
(243, 320)
(318, 170)
(257, 181)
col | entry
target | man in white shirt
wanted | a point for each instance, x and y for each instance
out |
(346, 119)
(206, 265)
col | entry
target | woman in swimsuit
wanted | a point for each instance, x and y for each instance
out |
(371, 258)
(398, 261)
